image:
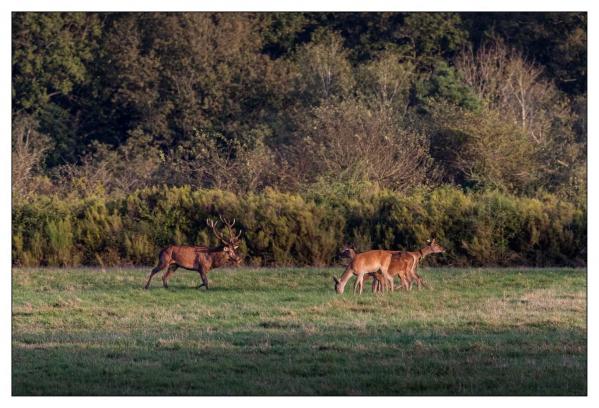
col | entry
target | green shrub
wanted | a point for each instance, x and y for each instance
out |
(477, 228)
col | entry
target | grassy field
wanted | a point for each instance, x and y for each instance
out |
(286, 332)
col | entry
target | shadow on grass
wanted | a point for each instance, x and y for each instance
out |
(285, 358)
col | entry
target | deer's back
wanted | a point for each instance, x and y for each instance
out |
(371, 261)
(186, 256)
(401, 263)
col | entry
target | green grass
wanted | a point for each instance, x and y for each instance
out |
(286, 332)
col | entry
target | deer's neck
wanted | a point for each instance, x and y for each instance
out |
(423, 252)
(219, 258)
(349, 271)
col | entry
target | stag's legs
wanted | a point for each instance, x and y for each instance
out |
(171, 269)
(204, 278)
(157, 269)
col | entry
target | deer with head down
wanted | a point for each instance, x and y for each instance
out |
(199, 258)
(349, 251)
(365, 264)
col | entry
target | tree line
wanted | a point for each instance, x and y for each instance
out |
(242, 101)
(330, 106)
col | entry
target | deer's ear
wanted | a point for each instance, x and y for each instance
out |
(336, 280)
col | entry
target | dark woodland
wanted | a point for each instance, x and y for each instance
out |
(311, 129)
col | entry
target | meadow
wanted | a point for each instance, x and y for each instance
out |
(284, 331)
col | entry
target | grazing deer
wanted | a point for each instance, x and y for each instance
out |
(198, 258)
(365, 263)
(348, 251)
(404, 265)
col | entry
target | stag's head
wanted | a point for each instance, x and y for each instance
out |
(230, 242)
(436, 248)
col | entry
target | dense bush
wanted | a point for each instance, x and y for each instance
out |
(482, 228)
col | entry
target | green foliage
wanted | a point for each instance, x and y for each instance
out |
(50, 52)
(482, 150)
(478, 228)
(556, 40)
(434, 36)
(221, 100)
(60, 249)
(325, 70)
(281, 32)
(386, 80)
(444, 86)
(298, 123)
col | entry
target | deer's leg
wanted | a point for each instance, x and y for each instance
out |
(414, 277)
(171, 269)
(380, 286)
(380, 283)
(204, 278)
(387, 277)
(405, 282)
(359, 284)
(409, 280)
(421, 282)
(161, 265)
(375, 285)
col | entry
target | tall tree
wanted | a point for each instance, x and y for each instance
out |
(558, 41)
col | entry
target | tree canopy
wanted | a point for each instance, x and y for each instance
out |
(246, 101)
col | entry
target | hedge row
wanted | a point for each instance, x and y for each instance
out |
(487, 228)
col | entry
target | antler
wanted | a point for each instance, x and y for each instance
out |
(213, 225)
(228, 224)
(232, 236)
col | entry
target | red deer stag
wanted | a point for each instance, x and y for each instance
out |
(198, 258)
(362, 264)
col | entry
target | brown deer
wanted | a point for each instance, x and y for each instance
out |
(404, 265)
(362, 264)
(400, 266)
(198, 258)
(348, 251)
